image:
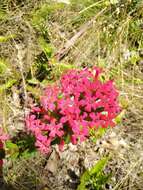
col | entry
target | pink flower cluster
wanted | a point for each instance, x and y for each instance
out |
(78, 103)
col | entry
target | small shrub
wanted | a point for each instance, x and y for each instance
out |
(94, 179)
(71, 108)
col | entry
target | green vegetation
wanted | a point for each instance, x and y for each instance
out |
(41, 39)
(95, 177)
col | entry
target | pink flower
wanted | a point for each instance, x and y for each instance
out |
(79, 101)
(56, 130)
(44, 148)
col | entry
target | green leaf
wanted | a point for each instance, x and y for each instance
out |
(97, 133)
(94, 175)
(63, 66)
(83, 181)
(12, 149)
(67, 139)
(28, 154)
(6, 38)
(59, 68)
(3, 67)
(46, 47)
(33, 81)
(99, 166)
(8, 84)
(11, 145)
(34, 90)
(118, 119)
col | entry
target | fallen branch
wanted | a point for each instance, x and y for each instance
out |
(71, 42)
